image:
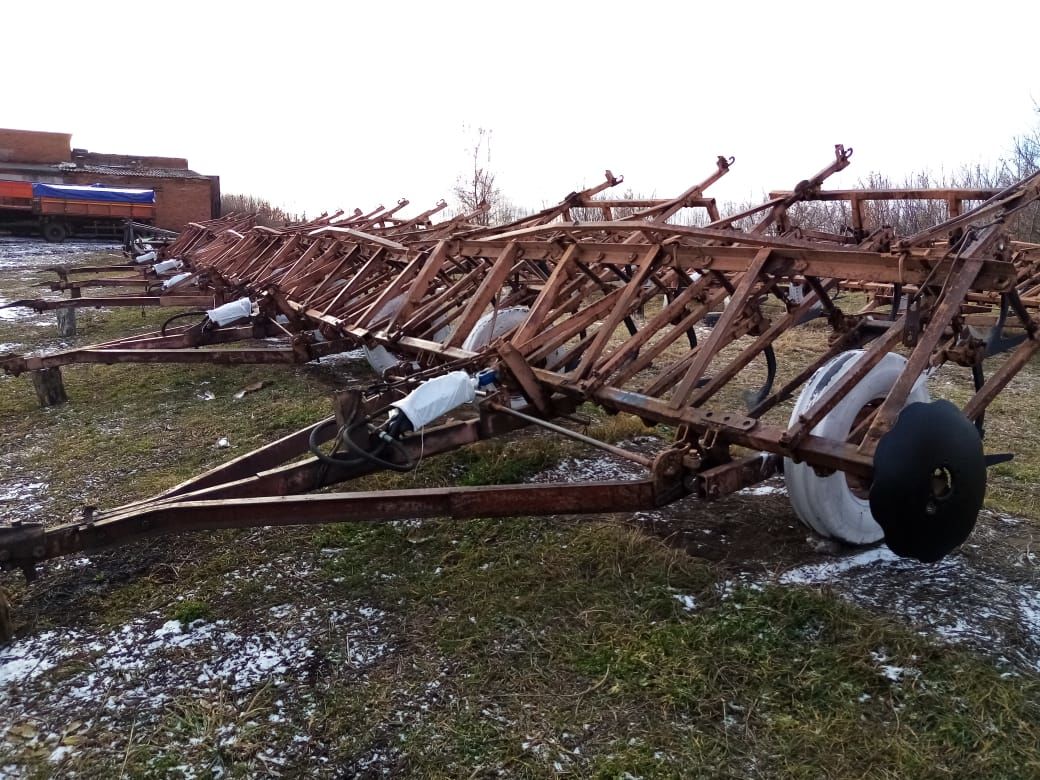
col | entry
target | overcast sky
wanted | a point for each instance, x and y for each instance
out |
(325, 105)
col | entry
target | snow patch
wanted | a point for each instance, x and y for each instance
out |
(21, 499)
(26, 660)
(893, 673)
(590, 470)
(689, 603)
(826, 572)
(769, 488)
(14, 313)
(340, 358)
(18, 253)
(959, 600)
(147, 664)
(20, 491)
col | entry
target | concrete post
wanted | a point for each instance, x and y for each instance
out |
(50, 390)
(67, 317)
(66, 322)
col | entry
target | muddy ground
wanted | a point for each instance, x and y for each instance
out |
(138, 641)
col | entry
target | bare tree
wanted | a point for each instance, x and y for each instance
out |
(478, 186)
(1025, 151)
(505, 211)
(1025, 160)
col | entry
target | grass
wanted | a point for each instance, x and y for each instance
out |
(190, 610)
(136, 429)
(526, 647)
(569, 641)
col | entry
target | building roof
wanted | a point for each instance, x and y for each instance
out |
(103, 170)
(27, 168)
(151, 173)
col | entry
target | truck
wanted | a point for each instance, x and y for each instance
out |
(57, 211)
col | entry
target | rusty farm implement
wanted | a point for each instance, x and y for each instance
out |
(478, 331)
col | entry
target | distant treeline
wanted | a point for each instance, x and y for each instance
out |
(905, 216)
(910, 216)
(266, 214)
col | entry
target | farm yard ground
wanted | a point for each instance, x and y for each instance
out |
(696, 640)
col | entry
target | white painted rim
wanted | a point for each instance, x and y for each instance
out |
(492, 325)
(827, 504)
(380, 358)
(489, 327)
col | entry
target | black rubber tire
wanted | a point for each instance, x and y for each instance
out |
(54, 232)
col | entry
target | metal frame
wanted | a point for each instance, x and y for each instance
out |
(584, 285)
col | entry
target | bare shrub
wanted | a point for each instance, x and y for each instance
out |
(266, 214)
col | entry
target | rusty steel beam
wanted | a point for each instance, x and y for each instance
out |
(27, 545)
(170, 301)
(100, 281)
(896, 193)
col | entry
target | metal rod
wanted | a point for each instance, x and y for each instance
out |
(640, 459)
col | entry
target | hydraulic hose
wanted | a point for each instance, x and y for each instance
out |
(314, 444)
(386, 439)
(162, 330)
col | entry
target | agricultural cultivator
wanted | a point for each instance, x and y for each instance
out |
(760, 347)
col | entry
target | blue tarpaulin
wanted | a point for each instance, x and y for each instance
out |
(95, 192)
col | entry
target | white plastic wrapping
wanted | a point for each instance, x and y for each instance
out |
(167, 265)
(175, 280)
(147, 257)
(436, 397)
(231, 312)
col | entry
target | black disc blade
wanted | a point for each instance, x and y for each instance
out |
(929, 481)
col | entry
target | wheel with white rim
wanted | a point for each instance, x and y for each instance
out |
(490, 326)
(379, 357)
(836, 506)
(494, 324)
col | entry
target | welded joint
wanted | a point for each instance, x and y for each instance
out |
(714, 483)
(521, 372)
(794, 436)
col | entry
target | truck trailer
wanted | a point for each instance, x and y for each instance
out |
(57, 211)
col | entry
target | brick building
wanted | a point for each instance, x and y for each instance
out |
(181, 194)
